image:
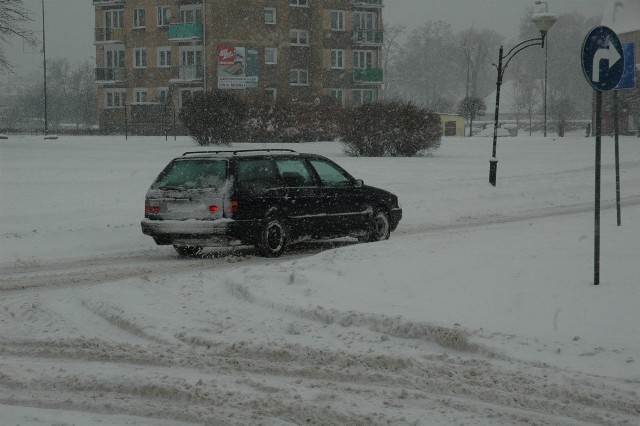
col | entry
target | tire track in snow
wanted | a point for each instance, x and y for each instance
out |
(514, 217)
(98, 270)
(296, 384)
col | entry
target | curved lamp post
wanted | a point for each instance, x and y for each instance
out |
(544, 21)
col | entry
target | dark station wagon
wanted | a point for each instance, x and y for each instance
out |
(266, 198)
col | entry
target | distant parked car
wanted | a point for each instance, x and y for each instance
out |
(265, 198)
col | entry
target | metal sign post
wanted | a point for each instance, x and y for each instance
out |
(627, 81)
(596, 216)
(603, 66)
(616, 131)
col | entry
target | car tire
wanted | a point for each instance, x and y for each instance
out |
(273, 238)
(379, 227)
(188, 251)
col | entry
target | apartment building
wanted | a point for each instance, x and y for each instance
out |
(152, 53)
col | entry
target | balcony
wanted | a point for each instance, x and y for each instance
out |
(110, 75)
(373, 4)
(368, 37)
(368, 76)
(107, 2)
(109, 35)
(185, 32)
(187, 73)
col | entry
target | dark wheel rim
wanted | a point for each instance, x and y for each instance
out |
(274, 237)
(380, 226)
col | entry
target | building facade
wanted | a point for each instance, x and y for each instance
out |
(154, 54)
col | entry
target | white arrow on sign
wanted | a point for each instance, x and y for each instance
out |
(610, 54)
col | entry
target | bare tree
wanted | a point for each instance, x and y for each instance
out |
(526, 97)
(562, 108)
(425, 71)
(13, 16)
(390, 46)
(72, 96)
(478, 48)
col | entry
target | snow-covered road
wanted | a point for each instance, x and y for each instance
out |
(478, 310)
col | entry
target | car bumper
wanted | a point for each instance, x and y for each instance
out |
(198, 232)
(396, 216)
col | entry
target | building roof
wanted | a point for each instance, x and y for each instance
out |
(622, 16)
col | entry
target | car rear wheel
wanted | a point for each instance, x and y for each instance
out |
(379, 227)
(273, 238)
(188, 251)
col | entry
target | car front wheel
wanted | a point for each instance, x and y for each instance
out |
(273, 238)
(379, 227)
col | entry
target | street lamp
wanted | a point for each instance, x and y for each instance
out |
(546, 54)
(44, 66)
(544, 21)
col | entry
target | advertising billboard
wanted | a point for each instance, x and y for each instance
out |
(237, 67)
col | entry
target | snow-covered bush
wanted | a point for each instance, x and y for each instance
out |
(395, 129)
(216, 117)
(289, 121)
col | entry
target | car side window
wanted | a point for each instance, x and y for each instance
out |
(256, 175)
(330, 174)
(294, 172)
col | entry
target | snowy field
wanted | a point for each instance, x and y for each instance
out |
(480, 309)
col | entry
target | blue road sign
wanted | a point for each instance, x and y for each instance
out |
(602, 58)
(628, 80)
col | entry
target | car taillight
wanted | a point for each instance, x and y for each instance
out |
(151, 209)
(213, 209)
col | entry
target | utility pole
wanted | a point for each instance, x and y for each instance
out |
(204, 44)
(44, 55)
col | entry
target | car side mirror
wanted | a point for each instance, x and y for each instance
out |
(359, 183)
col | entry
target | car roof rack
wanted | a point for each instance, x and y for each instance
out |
(235, 152)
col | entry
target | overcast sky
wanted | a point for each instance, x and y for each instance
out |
(69, 23)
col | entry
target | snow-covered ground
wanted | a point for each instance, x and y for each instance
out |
(480, 309)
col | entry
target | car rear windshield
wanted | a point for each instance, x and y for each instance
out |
(193, 174)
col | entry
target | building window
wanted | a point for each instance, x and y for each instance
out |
(164, 57)
(363, 59)
(337, 59)
(338, 95)
(270, 55)
(365, 21)
(163, 13)
(113, 18)
(163, 95)
(140, 58)
(363, 96)
(299, 77)
(299, 3)
(115, 98)
(191, 63)
(270, 15)
(140, 96)
(337, 20)
(271, 94)
(114, 58)
(299, 37)
(186, 94)
(190, 14)
(138, 18)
